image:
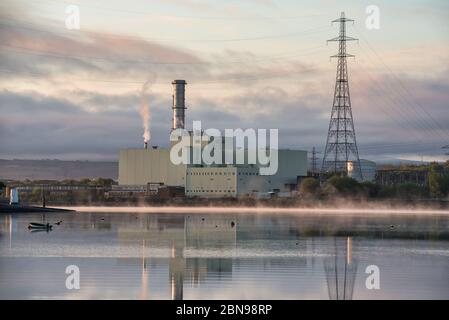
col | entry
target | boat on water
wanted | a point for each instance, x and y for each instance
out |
(37, 225)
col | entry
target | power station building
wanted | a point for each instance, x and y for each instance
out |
(153, 167)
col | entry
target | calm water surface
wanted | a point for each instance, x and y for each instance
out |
(224, 256)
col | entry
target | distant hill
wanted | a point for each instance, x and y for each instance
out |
(56, 169)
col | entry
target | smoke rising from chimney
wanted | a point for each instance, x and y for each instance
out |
(144, 109)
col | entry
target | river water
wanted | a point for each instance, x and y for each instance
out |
(225, 255)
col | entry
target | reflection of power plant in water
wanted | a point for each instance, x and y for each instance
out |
(200, 233)
(183, 234)
(341, 270)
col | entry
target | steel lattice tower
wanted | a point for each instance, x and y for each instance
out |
(341, 145)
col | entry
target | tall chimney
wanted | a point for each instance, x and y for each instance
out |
(178, 104)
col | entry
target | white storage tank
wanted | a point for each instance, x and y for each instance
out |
(368, 170)
(14, 196)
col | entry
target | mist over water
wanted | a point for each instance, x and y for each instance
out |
(379, 210)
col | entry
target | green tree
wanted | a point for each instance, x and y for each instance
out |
(310, 186)
(343, 185)
(69, 182)
(446, 164)
(387, 192)
(104, 182)
(438, 181)
(85, 181)
(410, 191)
(371, 189)
(2, 189)
(35, 195)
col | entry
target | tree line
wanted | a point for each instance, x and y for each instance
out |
(437, 187)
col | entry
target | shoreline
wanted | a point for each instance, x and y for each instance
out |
(8, 208)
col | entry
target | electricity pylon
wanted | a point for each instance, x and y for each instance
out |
(341, 146)
(314, 170)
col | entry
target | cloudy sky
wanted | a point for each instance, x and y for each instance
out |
(74, 94)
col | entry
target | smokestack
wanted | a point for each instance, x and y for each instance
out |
(178, 104)
(145, 144)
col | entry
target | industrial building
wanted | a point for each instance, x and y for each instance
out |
(391, 177)
(153, 167)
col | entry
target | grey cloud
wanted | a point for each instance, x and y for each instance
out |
(31, 103)
(56, 127)
(47, 50)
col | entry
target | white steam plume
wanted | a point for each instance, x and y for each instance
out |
(145, 109)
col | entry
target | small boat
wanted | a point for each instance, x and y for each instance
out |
(37, 225)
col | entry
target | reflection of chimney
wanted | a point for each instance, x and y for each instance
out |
(176, 270)
(178, 104)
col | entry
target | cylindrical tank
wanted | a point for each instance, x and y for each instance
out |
(368, 170)
(178, 107)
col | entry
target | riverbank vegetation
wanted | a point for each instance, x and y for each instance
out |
(345, 187)
(311, 192)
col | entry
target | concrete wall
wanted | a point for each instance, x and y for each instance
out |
(211, 181)
(249, 181)
(246, 180)
(292, 163)
(142, 166)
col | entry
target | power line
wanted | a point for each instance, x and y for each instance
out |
(398, 145)
(102, 8)
(140, 38)
(405, 113)
(242, 78)
(25, 50)
(386, 99)
(412, 101)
